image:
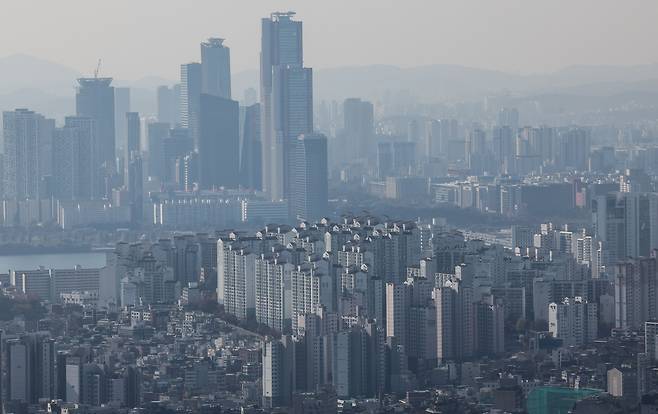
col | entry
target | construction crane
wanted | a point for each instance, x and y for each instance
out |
(98, 68)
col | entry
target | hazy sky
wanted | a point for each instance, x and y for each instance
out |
(137, 38)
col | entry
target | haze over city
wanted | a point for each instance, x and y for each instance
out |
(512, 35)
(329, 207)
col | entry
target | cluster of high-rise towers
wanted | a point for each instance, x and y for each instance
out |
(202, 140)
(275, 149)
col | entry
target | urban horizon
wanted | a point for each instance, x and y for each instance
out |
(365, 239)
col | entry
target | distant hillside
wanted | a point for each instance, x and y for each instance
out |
(50, 87)
(453, 83)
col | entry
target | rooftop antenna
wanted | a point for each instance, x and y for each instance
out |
(98, 68)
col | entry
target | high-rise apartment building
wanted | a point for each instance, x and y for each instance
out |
(573, 320)
(28, 153)
(272, 302)
(636, 284)
(624, 222)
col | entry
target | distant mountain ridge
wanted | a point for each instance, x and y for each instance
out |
(50, 87)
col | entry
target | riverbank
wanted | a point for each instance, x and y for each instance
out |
(26, 249)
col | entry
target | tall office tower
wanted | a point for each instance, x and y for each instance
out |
(157, 134)
(292, 117)
(251, 159)
(66, 163)
(281, 49)
(509, 117)
(30, 369)
(135, 186)
(216, 68)
(28, 153)
(121, 108)
(625, 224)
(190, 99)
(166, 105)
(574, 321)
(19, 368)
(219, 142)
(636, 284)
(45, 367)
(133, 138)
(89, 178)
(309, 181)
(95, 100)
(359, 128)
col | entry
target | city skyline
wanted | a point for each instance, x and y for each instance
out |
(370, 240)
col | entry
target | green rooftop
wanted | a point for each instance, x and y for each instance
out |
(556, 400)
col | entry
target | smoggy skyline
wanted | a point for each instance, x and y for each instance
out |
(512, 35)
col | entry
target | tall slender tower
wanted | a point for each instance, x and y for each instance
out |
(190, 99)
(95, 100)
(216, 68)
(121, 108)
(286, 98)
